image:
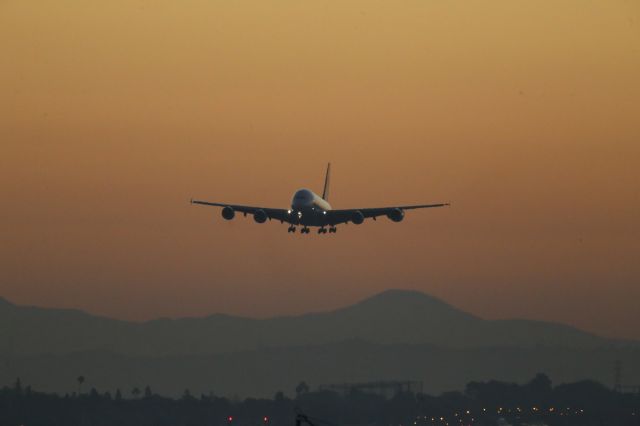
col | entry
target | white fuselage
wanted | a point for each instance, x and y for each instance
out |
(309, 208)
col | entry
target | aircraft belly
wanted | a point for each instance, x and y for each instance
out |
(313, 218)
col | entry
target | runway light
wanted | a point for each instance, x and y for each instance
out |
(230, 419)
(265, 419)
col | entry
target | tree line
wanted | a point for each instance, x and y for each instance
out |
(583, 403)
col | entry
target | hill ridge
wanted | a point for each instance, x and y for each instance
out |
(394, 316)
(393, 334)
(395, 295)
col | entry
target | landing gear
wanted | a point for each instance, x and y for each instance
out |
(306, 230)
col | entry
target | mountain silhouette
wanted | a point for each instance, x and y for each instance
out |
(397, 334)
(391, 317)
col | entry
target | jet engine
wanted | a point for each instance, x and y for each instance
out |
(396, 215)
(228, 213)
(357, 217)
(260, 216)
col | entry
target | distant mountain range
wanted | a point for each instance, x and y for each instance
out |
(394, 335)
(392, 317)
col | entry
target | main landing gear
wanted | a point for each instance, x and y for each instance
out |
(306, 230)
(324, 230)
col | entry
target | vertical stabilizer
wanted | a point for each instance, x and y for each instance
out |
(325, 193)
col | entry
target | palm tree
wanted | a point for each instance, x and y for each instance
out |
(302, 387)
(80, 380)
(135, 392)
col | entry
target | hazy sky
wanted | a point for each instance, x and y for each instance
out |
(524, 114)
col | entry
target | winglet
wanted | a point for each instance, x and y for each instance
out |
(325, 192)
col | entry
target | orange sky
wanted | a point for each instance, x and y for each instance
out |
(524, 114)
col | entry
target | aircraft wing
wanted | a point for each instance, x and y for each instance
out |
(278, 214)
(348, 215)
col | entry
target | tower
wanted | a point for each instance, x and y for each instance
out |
(617, 376)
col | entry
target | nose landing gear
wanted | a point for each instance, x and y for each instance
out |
(291, 229)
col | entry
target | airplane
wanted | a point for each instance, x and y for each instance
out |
(308, 210)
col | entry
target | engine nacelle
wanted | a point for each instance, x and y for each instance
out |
(228, 213)
(396, 215)
(260, 216)
(357, 217)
